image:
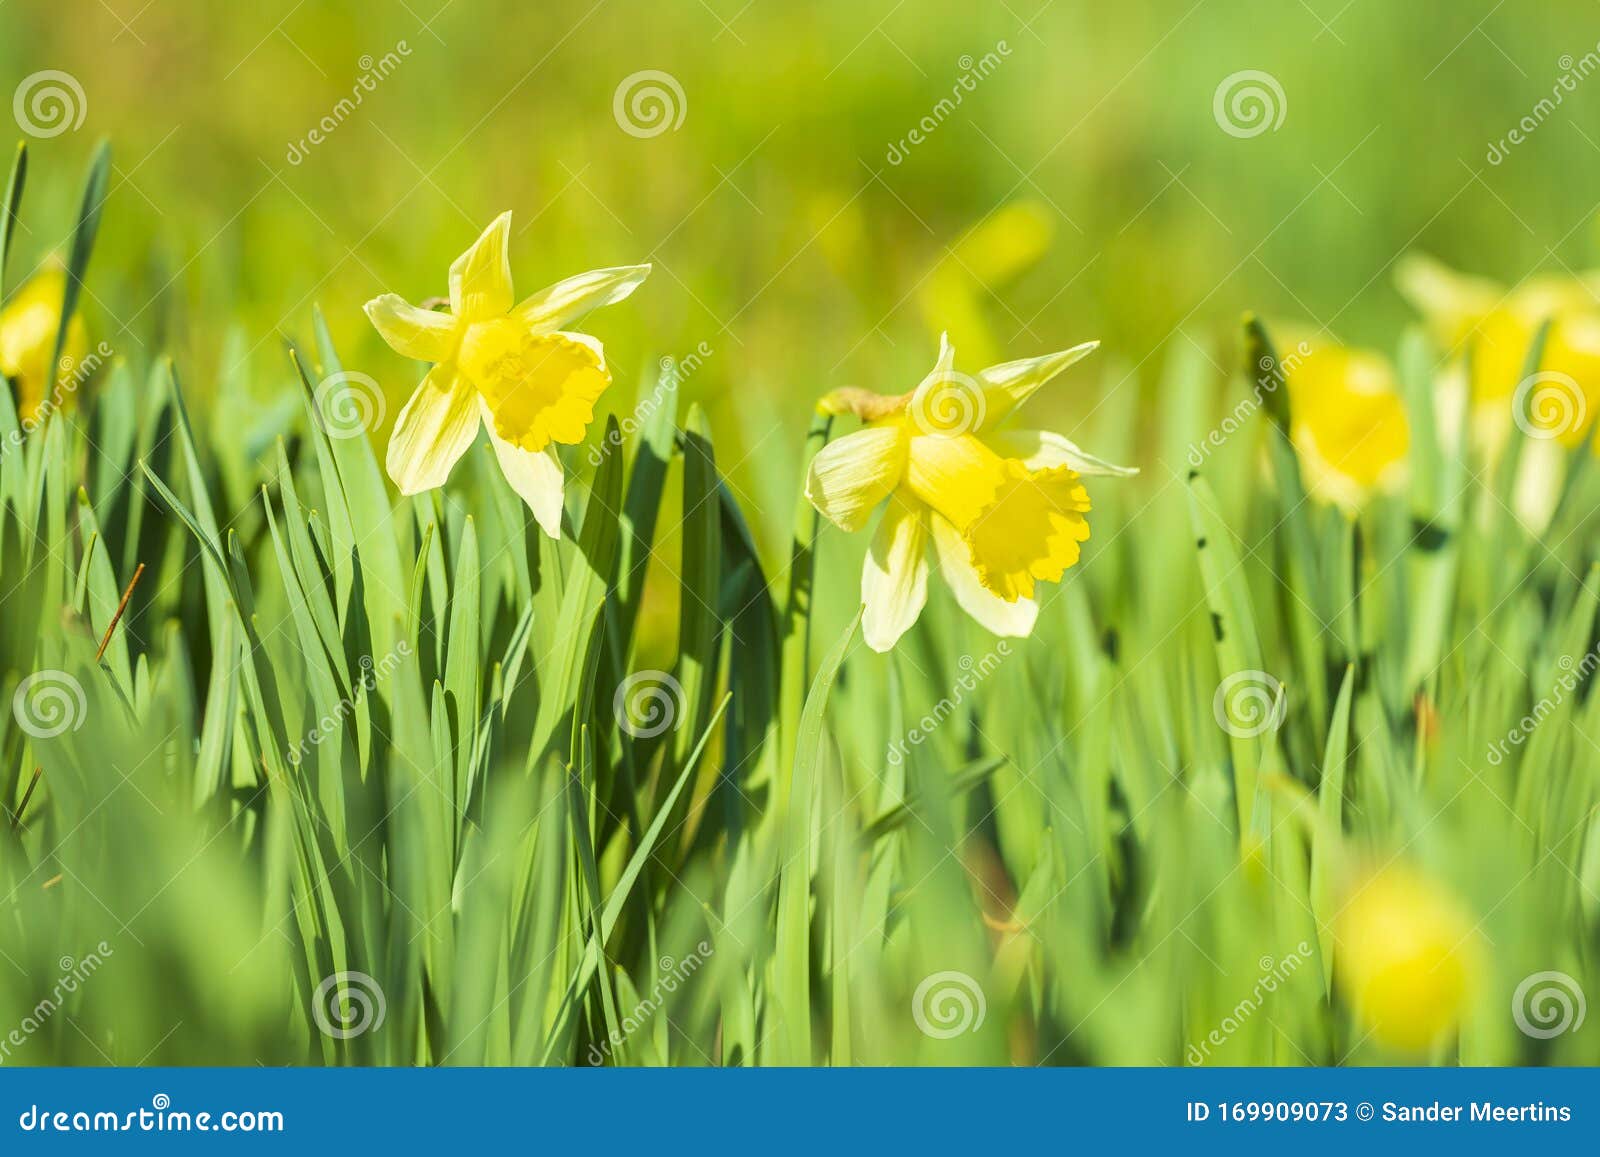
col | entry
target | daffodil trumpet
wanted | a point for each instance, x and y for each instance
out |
(512, 368)
(995, 510)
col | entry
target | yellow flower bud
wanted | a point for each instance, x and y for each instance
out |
(1407, 957)
(28, 326)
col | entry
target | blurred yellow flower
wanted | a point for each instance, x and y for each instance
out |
(1347, 420)
(1406, 958)
(511, 368)
(28, 327)
(999, 248)
(1562, 399)
(1000, 509)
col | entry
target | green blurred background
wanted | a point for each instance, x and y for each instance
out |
(782, 235)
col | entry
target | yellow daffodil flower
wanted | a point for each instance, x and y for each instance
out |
(1347, 421)
(999, 510)
(28, 326)
(509, 367)
(1406, 957)
(1561, 401)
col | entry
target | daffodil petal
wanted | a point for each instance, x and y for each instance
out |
(424, 334)
(1008, 385)
(946, 403)
(480, 279)
(1040, 450)
(1538, 483)
(1451, 302)
(560, 304)
(535, 475)
(850, 476)
(1008, 620)
(956, 476)
(894, 577)
(432, 432)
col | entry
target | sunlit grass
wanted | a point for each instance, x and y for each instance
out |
(363, 779)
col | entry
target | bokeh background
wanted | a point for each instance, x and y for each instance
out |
(1107, 200)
